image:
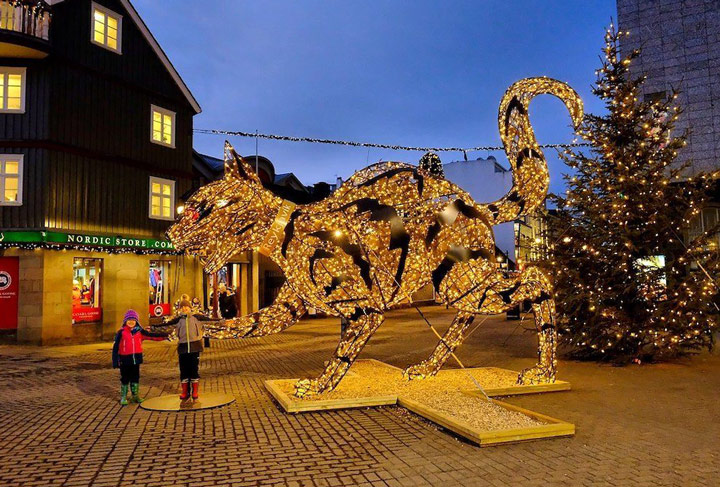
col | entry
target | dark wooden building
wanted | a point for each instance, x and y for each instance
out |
(95, 151)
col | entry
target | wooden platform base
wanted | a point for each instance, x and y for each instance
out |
(517, 390)
(207, 400)
(552, 428)
(549, 427)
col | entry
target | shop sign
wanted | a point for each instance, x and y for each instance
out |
(159, 309)
(82, 314)
(85, 239)
(9, 290)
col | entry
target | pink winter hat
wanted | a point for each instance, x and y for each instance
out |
(131, 315)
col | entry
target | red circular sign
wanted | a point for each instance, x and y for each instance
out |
(5, 280)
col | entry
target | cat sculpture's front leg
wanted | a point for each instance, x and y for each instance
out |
(356, 335)
(284, 312)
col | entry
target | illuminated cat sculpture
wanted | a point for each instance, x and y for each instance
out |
(386, 232)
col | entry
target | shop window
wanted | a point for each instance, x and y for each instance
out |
(162, 198)
(11, 174)
(655, 97)
(106, 28)
(12, 90)
(228, 276)
(86, 291)
(706, 220)
(162, 126)
(159, 288)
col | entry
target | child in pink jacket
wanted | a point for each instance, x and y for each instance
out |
(128, 354)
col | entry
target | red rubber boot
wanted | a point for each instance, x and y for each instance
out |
(195, 389)
(185, 390)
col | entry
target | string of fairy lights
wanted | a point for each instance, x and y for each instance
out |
(396, 147)
(85, 248)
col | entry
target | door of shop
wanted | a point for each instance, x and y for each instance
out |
(9, 290)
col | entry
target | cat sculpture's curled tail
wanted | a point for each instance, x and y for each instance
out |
(529, 167)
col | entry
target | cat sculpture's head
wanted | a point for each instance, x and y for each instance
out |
(224, 217)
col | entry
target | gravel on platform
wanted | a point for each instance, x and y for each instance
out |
(443, 393)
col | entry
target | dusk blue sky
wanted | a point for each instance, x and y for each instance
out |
(420, 73)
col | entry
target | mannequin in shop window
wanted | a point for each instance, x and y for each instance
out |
(76, 294)
(85, 296)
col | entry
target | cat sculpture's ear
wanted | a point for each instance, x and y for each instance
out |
(237, 167)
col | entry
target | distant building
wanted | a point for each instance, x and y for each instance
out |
(486, 180)
(680, 42)
(531, 238)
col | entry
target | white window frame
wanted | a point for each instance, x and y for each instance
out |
(119, 18)
(161, 181)
(4, 72)
(162, 111)
(3, 159)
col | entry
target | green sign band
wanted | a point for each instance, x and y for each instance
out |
(83, 239)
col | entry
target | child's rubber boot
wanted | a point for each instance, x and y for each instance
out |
(185, 390)
(135, 389)
(123, 394)
(195, 389)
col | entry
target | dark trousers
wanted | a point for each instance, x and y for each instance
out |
(130, 373)
(189, 363)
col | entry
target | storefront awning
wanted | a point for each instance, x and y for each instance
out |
(103, 243)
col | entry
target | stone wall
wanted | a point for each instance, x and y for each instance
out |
(30, 298)
(680, 41)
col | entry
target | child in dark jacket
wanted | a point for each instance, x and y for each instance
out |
(189, 329)
(128, 354)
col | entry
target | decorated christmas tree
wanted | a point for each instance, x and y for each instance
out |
(633, 282)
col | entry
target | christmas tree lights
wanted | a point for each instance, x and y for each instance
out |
(633, 282)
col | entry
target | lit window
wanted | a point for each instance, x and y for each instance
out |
(162, 126)
(162, 198)
(12, 90)
(11, 173)
(106, 28)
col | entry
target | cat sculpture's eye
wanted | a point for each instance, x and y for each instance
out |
(204, 210)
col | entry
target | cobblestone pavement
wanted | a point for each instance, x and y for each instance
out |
(61, 424)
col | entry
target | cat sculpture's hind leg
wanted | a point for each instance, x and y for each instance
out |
(533, 286)
(545, 370)
(502, 292)
(360, 328)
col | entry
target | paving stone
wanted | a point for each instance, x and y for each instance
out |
(61, 423)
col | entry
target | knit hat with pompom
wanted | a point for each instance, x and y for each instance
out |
(131, 315)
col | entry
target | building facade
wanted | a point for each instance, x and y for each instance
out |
(680, 44)
(486, 180)
(95, 152)
(531, 238)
